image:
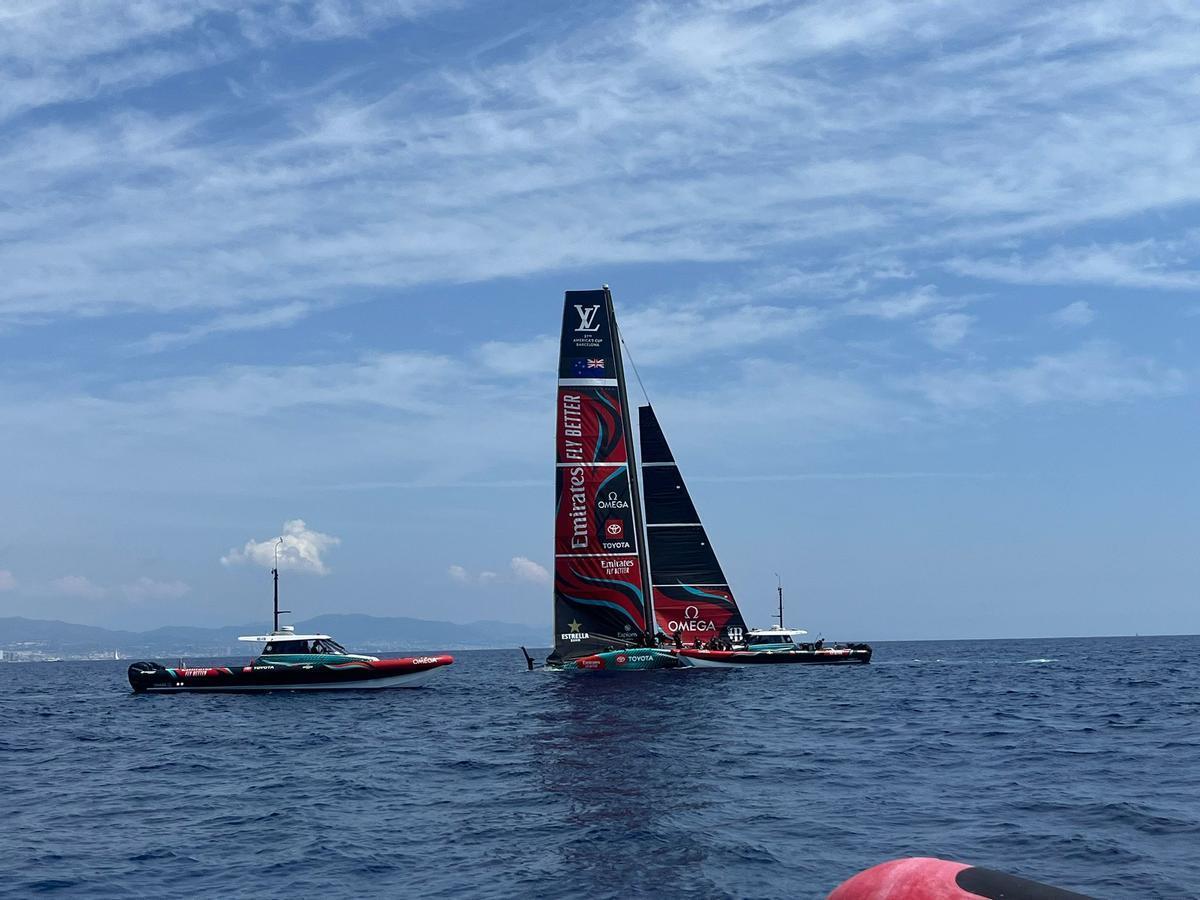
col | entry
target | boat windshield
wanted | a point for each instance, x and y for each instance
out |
(325, 646)
(329, 646)
(770, 639)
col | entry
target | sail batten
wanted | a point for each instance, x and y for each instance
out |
(601, 585)
(692, 598)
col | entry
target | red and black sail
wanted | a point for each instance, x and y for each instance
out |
(600, 585)
(690, 594)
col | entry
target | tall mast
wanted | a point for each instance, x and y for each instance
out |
(634, 487)
(779, 587)
(275, 575)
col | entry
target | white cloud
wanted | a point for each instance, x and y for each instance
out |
(522, 569)
(301, 550)
(8, 581)
(146, 590)
(1095, 373)
(462, 576)
(78, 587)
(667, 333)
(735, 144)
(270, 317)
(533, 357)
(920, 301)
(1144, 264)
(1074, 315)
(947, 330)
(527, 570)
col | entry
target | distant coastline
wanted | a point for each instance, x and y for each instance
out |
(23, 639)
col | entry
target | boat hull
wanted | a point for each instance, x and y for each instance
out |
(847, 656)
(637, 659)
(940, 879)
(153, 678)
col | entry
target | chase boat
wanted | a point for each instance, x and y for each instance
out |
(289, 662)
(770, 646)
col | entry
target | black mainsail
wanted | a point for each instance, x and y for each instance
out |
(601, 585)
(691, 596)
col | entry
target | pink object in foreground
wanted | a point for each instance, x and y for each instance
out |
(924, 878)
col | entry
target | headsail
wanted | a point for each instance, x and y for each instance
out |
(691, 595)
(600, 586)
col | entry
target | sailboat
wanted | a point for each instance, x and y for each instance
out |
(692, 599)
(603, 616)
(618, 576)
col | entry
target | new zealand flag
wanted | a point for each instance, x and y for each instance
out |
(589, 368)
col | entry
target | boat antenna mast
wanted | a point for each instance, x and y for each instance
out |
(275, 575)
(779, 588)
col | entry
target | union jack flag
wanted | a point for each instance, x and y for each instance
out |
(588, 368)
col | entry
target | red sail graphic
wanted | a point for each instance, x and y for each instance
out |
(595, 512)
(589, 425)
(599, 584)
(697, 613)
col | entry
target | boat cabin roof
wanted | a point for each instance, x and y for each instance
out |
(774, 632)
(284, 636)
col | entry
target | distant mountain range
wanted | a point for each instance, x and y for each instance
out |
(355, 632)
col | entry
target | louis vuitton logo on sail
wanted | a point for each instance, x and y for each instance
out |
(587, 318)
(586, 337)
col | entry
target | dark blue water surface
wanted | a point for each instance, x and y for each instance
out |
(1070, 761)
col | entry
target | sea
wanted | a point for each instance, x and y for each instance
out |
(1070, 761)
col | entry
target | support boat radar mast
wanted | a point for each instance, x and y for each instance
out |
(275, 575)
(779, 588)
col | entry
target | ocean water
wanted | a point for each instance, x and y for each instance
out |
(1075, 762)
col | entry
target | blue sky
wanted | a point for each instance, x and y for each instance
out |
(915, 288)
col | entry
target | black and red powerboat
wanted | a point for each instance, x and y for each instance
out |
(289, 662)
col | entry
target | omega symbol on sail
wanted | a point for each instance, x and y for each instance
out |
(587, 318)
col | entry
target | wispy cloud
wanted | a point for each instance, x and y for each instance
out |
(1097, 372)
(78, 587)
(742, 128)
(1145, 264)
(8, 581)
(520, 569)
(947, 330)
(272, 317)
(919, 301)
(149, 590)
(460, 575)
(1074, 315)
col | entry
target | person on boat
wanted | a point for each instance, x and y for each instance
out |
(661, 638)
(820, 643)
(678, 640)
